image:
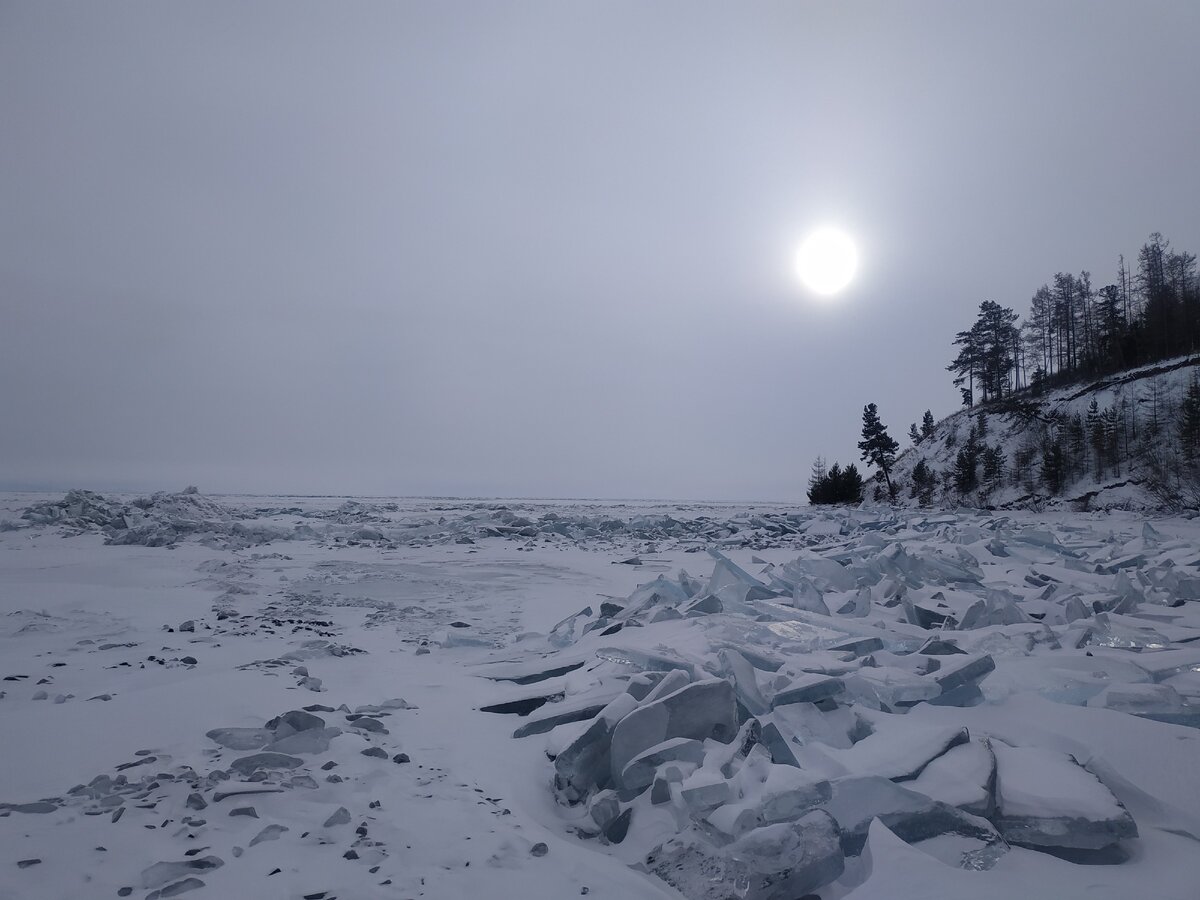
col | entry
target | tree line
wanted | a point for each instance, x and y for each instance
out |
(878, 448)
(1074, 330)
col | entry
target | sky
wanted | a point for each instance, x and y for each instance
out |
(544, 248)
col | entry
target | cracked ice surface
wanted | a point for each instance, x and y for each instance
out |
(321, 696)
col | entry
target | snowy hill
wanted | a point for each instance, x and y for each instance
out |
(1109, 443)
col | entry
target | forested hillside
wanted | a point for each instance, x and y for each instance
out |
(1093, 398)
(1130, 439)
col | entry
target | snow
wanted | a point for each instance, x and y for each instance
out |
(418, 615)
(1040, 783)
(1131, 393)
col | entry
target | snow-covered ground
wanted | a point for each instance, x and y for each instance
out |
(274, 697)
(1140, 400)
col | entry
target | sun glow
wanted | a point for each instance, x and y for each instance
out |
(826, 261)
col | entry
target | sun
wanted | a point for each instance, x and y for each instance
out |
(826, 261)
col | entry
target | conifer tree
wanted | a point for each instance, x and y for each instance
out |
(924, 481)
(818, 477)
(1112, 439)
(1053, 467)
(913, 434)
(1189, 423)
(1096, 437)
(835, 485)
(927, 425)
(878, 447)
(993, 467)
(965, 477)
(1077, 445)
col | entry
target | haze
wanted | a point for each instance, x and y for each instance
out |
(544, 248)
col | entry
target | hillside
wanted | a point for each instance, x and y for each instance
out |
(1125, 451)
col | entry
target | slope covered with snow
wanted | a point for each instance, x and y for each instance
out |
(1122, 452)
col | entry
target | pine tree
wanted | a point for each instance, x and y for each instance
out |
(878, 447)
(1077, 445)
(927, 425)
(924, 481)
(835, 485)
(993, 467)
(1095, 430)
(818, 477)
(1189, 423)
(1053, 467)
(1111, 424)
(986, 356)
(965, 478)
(913, 434)
(850, 485)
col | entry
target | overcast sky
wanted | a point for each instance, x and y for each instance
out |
(544, 248)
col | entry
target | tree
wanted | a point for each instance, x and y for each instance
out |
(993, 467)
(878, 447)
(1189, 423)
(835, 485)
(913, 434)
(996, 326)
(927, 425)
(1053, 467)
(1077, 445)
(924, 481)
(966, 462)
(987, 354)
(965, 365)
(1096, 437)
(820, 474)
(965, 467)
